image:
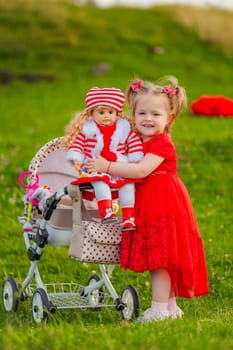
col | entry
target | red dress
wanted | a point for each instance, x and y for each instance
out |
(167, 234)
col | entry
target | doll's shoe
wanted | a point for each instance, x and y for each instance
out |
(128, 225)
(151, 315)
(176, 313)
(110, 218)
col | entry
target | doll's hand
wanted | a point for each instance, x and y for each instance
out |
(97, 164)
(77, 166)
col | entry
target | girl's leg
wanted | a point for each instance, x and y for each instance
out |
(173, 308)
(161, 286)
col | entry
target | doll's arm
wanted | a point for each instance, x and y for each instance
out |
(75, 153)
(134, 148)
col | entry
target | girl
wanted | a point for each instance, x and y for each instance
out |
(101, 129)
(167, 241)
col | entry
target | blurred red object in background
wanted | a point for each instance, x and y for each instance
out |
(213, 106)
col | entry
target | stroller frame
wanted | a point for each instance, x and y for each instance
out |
(49, 297)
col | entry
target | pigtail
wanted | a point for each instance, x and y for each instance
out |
(176, 94)
(132, 91)
(181, 100)
(129, 96)
(177, 99)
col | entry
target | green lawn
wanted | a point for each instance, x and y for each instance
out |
(66, 42)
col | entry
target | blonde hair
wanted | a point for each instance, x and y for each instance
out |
(167, 85)
(74, 127)
(76, 124)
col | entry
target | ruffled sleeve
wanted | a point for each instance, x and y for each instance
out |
(162, 146)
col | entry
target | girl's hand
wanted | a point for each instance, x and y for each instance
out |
(97, 164)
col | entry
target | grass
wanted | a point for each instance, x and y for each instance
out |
(66, 41)
(211, 24)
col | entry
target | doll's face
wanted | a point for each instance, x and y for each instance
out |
(104, 115)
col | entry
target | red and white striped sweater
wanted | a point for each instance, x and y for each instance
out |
(124, 144)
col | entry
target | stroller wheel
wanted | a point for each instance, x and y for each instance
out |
(96, 296)
(131, 300)
(40, 303)
(10, 295)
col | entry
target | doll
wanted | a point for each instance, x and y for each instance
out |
(102, 130)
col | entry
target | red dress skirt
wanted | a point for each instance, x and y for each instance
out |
(167, 234)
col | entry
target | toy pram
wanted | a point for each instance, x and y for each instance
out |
(63, 214)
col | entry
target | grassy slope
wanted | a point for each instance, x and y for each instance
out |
(67, 41)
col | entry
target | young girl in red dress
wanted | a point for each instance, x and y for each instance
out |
(167, 241)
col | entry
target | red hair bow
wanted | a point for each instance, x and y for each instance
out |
(170, 91)
(137, 85)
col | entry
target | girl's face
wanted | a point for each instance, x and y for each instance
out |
(104, 115)
(151, 115)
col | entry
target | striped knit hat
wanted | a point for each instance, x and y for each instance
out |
(111, 97)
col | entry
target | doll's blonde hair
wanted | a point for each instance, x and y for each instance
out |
(74, 127)
(167, 85)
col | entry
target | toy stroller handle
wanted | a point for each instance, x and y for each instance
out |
(23, 175)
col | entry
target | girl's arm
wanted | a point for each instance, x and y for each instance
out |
(127, 170)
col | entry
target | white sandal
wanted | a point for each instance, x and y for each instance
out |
(151, 315)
